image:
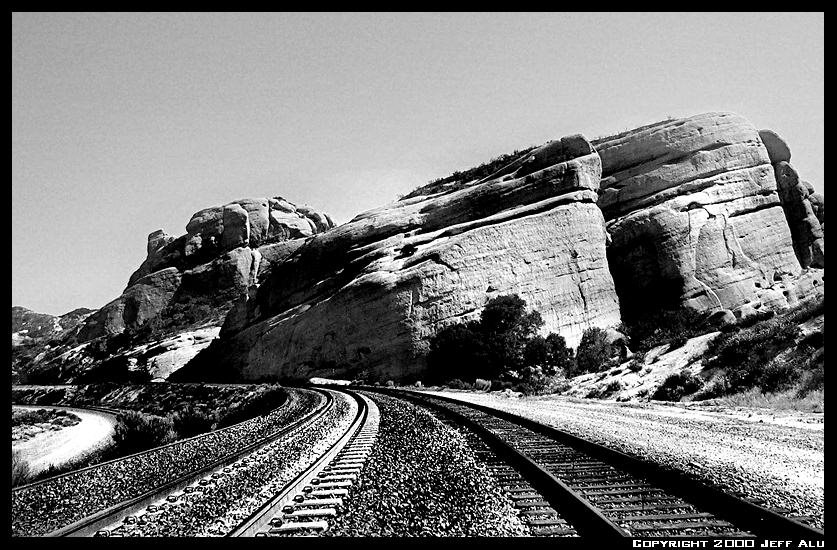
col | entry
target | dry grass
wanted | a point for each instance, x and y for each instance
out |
(780, 401)
(20, 469)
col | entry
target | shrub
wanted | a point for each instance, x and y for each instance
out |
(677, 385)
(780, 373)
(637, 362)
(613, 387)
(21, 473)
(258, 405)
(507, 328)
(492, 345)
(593, 351)
(755, 318)
(533, 385)
(457, 384)
(745, 354)
(135, 432)
(678, 342)
(482, 385)
(812, 381)
(191, 421)
(672, 326)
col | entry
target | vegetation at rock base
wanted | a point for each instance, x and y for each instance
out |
(503, 347)
(665, 326)
(593, 351)
(677, 385)
(764, 356)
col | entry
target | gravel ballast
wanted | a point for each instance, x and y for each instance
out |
(223, 504)
(422, 479)
(779, 464)
(41, 508)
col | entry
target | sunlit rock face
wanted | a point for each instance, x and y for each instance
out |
(696, 219)
(216, 261)
(369, 294)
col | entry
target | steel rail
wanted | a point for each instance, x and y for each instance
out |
(91, 524)
(259, 521)
(746, 515)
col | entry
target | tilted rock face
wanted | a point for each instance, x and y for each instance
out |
(695, 217)
(369, 294)
(804, 209)
(216, 260)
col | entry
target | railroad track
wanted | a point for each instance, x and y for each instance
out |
(580, 487)
(98, 521)
(306, 504)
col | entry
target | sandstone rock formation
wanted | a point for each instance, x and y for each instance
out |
(704, 213)
(370, 293)
(804, 209)
(695, 216)
(217, 260)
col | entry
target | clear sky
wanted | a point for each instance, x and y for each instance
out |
(127, 123)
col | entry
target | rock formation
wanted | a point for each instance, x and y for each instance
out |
(369, 294)
(704, 213)
(217, 260)
(803, 208)
(696, 219)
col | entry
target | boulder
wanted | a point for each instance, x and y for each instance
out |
(258, 213)
(801, 214)
(236, 227)
(693, 213)
(776, 146)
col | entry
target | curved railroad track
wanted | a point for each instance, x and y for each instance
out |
(580, 487)
(306, 504)
(96, 521)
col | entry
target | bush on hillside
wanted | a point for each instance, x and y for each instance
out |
(135, 432)
(594, 351)
(667, 326)
(191, 421)
(678, 385)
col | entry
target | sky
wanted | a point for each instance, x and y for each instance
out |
(126, 123)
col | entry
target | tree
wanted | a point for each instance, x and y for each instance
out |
(507, 328)
(593, 351)
(551, 354)
(458, 351)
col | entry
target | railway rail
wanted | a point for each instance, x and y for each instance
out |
(303, 506)
(308, 502)
(600, 492)
(94, 522)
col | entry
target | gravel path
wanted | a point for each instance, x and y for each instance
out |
(779, 464)
(56, 447)
(422, 479)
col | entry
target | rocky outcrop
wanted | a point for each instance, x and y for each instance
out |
(803, 208)
(369, 294)
(695, 216)
(704, 212)
(214, 263)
